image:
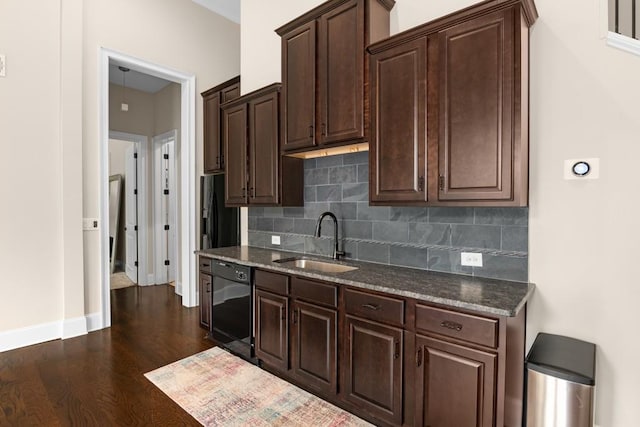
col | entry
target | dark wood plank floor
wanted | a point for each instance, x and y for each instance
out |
(97, 379)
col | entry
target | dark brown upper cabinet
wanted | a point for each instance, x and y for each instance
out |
(324, 72)
(398, 149)
(212, 99)
(450, 109)
(256, 174)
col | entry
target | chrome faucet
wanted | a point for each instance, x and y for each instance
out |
(336, 253)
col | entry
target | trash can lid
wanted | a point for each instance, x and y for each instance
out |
(563, 357)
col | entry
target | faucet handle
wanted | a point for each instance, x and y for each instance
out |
(338, 254)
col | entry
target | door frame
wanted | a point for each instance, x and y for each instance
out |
(157, 208)
(141, 143)
(185, 277)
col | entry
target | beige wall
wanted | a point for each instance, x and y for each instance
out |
(140, 119)
(167, 109)
(582, 233)
(31, 226)
(177, 34)
(583, 104)
(50, 177)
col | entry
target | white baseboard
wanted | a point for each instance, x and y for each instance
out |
(30, 335)
(63, 329)
(74, 327)
(94, 322)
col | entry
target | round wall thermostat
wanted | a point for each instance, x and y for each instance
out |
(580, 168)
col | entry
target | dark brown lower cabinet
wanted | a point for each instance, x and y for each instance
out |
(272, 329)
(373, 368)
(205, 301)
(314, 352)
(455, 385)
(391, 360)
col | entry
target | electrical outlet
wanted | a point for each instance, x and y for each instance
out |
(3, 65)
(471, 259)
(275, 240)
(89, 223)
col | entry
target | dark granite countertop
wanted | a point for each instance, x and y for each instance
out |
(498, 297)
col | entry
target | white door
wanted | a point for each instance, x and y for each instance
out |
(131, 214)
(165, 207)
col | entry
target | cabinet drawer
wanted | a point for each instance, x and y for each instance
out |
(274, 282)
(374, 307)
(312, 291)
(204, 264)
(467, 327)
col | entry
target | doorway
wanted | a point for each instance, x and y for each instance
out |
(185, 230)
(128, 158)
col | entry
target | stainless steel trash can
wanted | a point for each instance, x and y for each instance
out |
(560, 382)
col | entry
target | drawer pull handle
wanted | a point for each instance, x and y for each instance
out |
(373, 307)
(451, 325)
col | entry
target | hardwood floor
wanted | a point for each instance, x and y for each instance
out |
(97, 379)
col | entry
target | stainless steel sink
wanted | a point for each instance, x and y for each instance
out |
(316, 265)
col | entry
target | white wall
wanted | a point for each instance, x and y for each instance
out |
(583, 104)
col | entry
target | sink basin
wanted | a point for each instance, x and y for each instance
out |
(316, 265)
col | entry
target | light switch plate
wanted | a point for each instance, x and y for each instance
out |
(3, 65)
(275, 240)
(471, 259)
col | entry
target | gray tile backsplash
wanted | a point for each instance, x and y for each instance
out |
(417, 237)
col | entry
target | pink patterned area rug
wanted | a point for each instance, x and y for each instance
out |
(219, 389)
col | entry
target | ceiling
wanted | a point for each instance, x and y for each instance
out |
(230, 9)
(136, 80)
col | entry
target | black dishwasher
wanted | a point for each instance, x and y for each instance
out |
(232, 308)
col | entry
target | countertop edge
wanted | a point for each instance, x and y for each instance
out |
(380, 288)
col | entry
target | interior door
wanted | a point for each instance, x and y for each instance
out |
(165, 208)
(131, 214)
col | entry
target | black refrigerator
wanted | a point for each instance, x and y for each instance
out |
(219, 225)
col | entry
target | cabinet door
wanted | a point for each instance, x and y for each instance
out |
(373, 372)
(205, 301)
(314, 346)
(235, 145)
(230, 92)
(264, 149)
(212, 142)
(455, 385)
(476, 137)
(299, 87)
(397, 157)
(341, 74)
(272, 329)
